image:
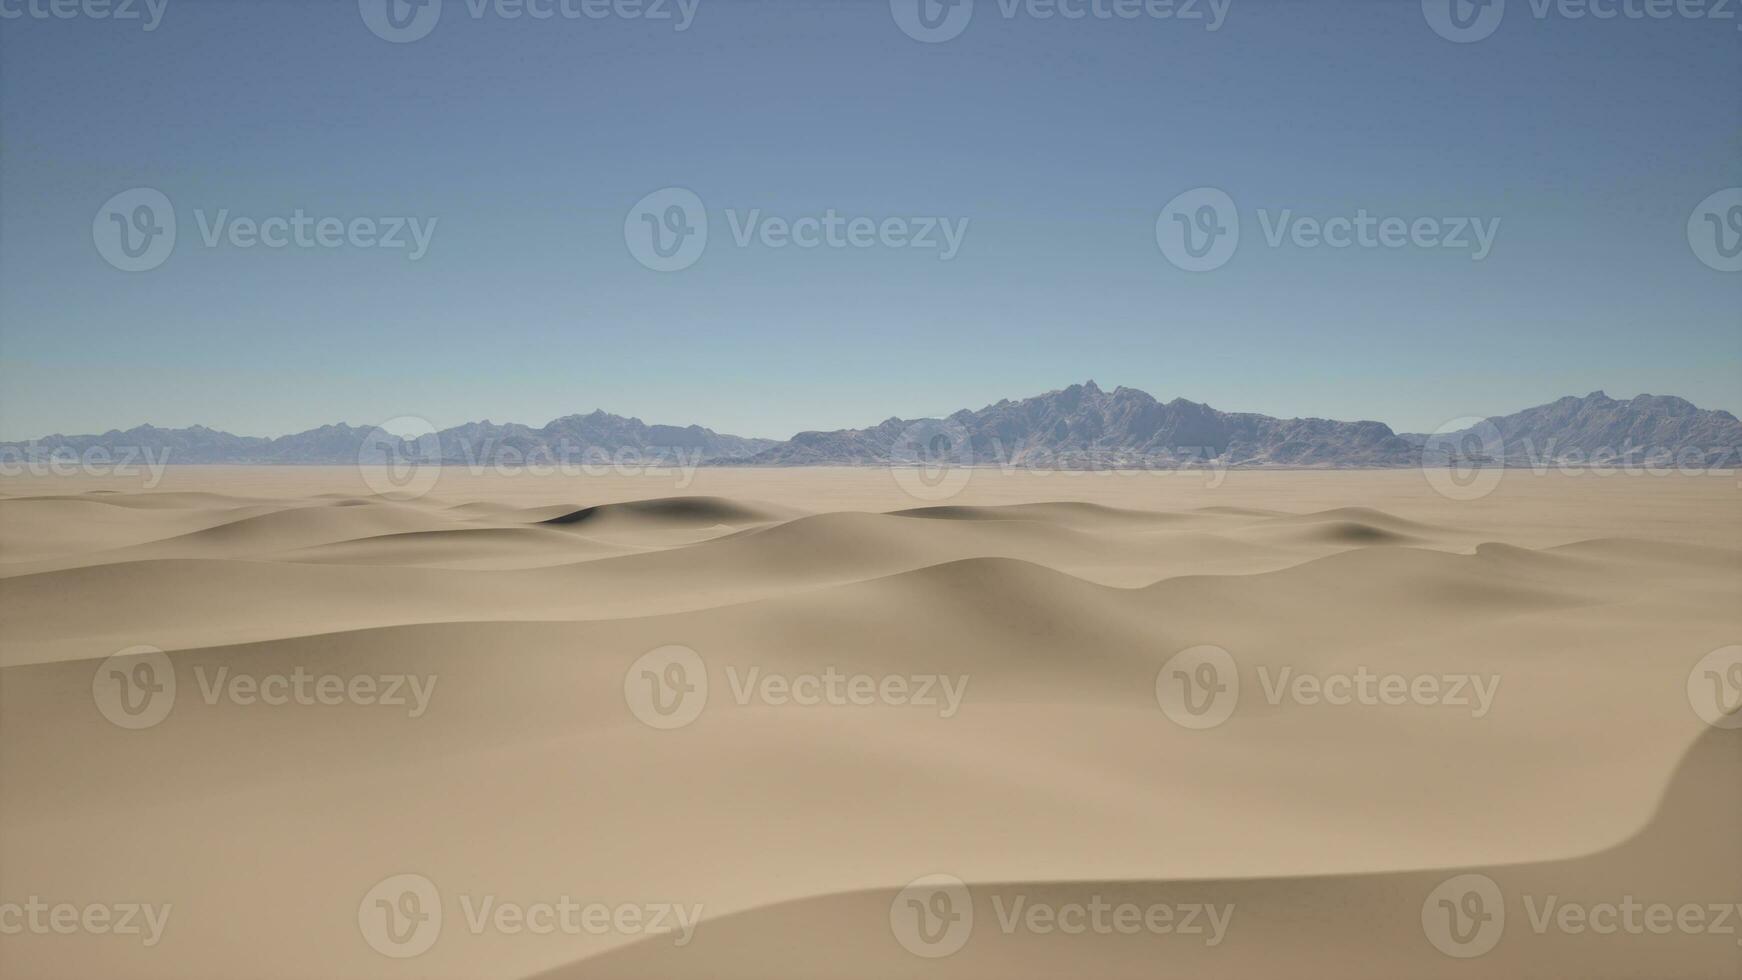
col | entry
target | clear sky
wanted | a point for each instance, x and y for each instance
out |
(529, 141)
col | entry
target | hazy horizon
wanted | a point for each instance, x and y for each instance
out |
(936, 414)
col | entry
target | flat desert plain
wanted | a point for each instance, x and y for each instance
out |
(798, 723)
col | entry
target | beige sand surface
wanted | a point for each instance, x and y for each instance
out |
(535, 613)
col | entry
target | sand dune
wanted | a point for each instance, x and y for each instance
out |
(1018, 648)
(668, 512)
(1308, 923)
(480, 547)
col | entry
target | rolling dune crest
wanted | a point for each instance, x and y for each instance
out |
(883, 693)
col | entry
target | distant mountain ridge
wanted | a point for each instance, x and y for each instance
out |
(576, 438)
(1078, 427)
(1084, 427)
(1648, 428)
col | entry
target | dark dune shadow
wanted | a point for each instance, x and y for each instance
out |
(676, 511)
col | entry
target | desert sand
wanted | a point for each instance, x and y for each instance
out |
(497, 766)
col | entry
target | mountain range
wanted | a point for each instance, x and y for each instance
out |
(576, 437)
(1648, 428)
(1079, 427)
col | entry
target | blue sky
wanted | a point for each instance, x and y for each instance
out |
(1058, 142)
